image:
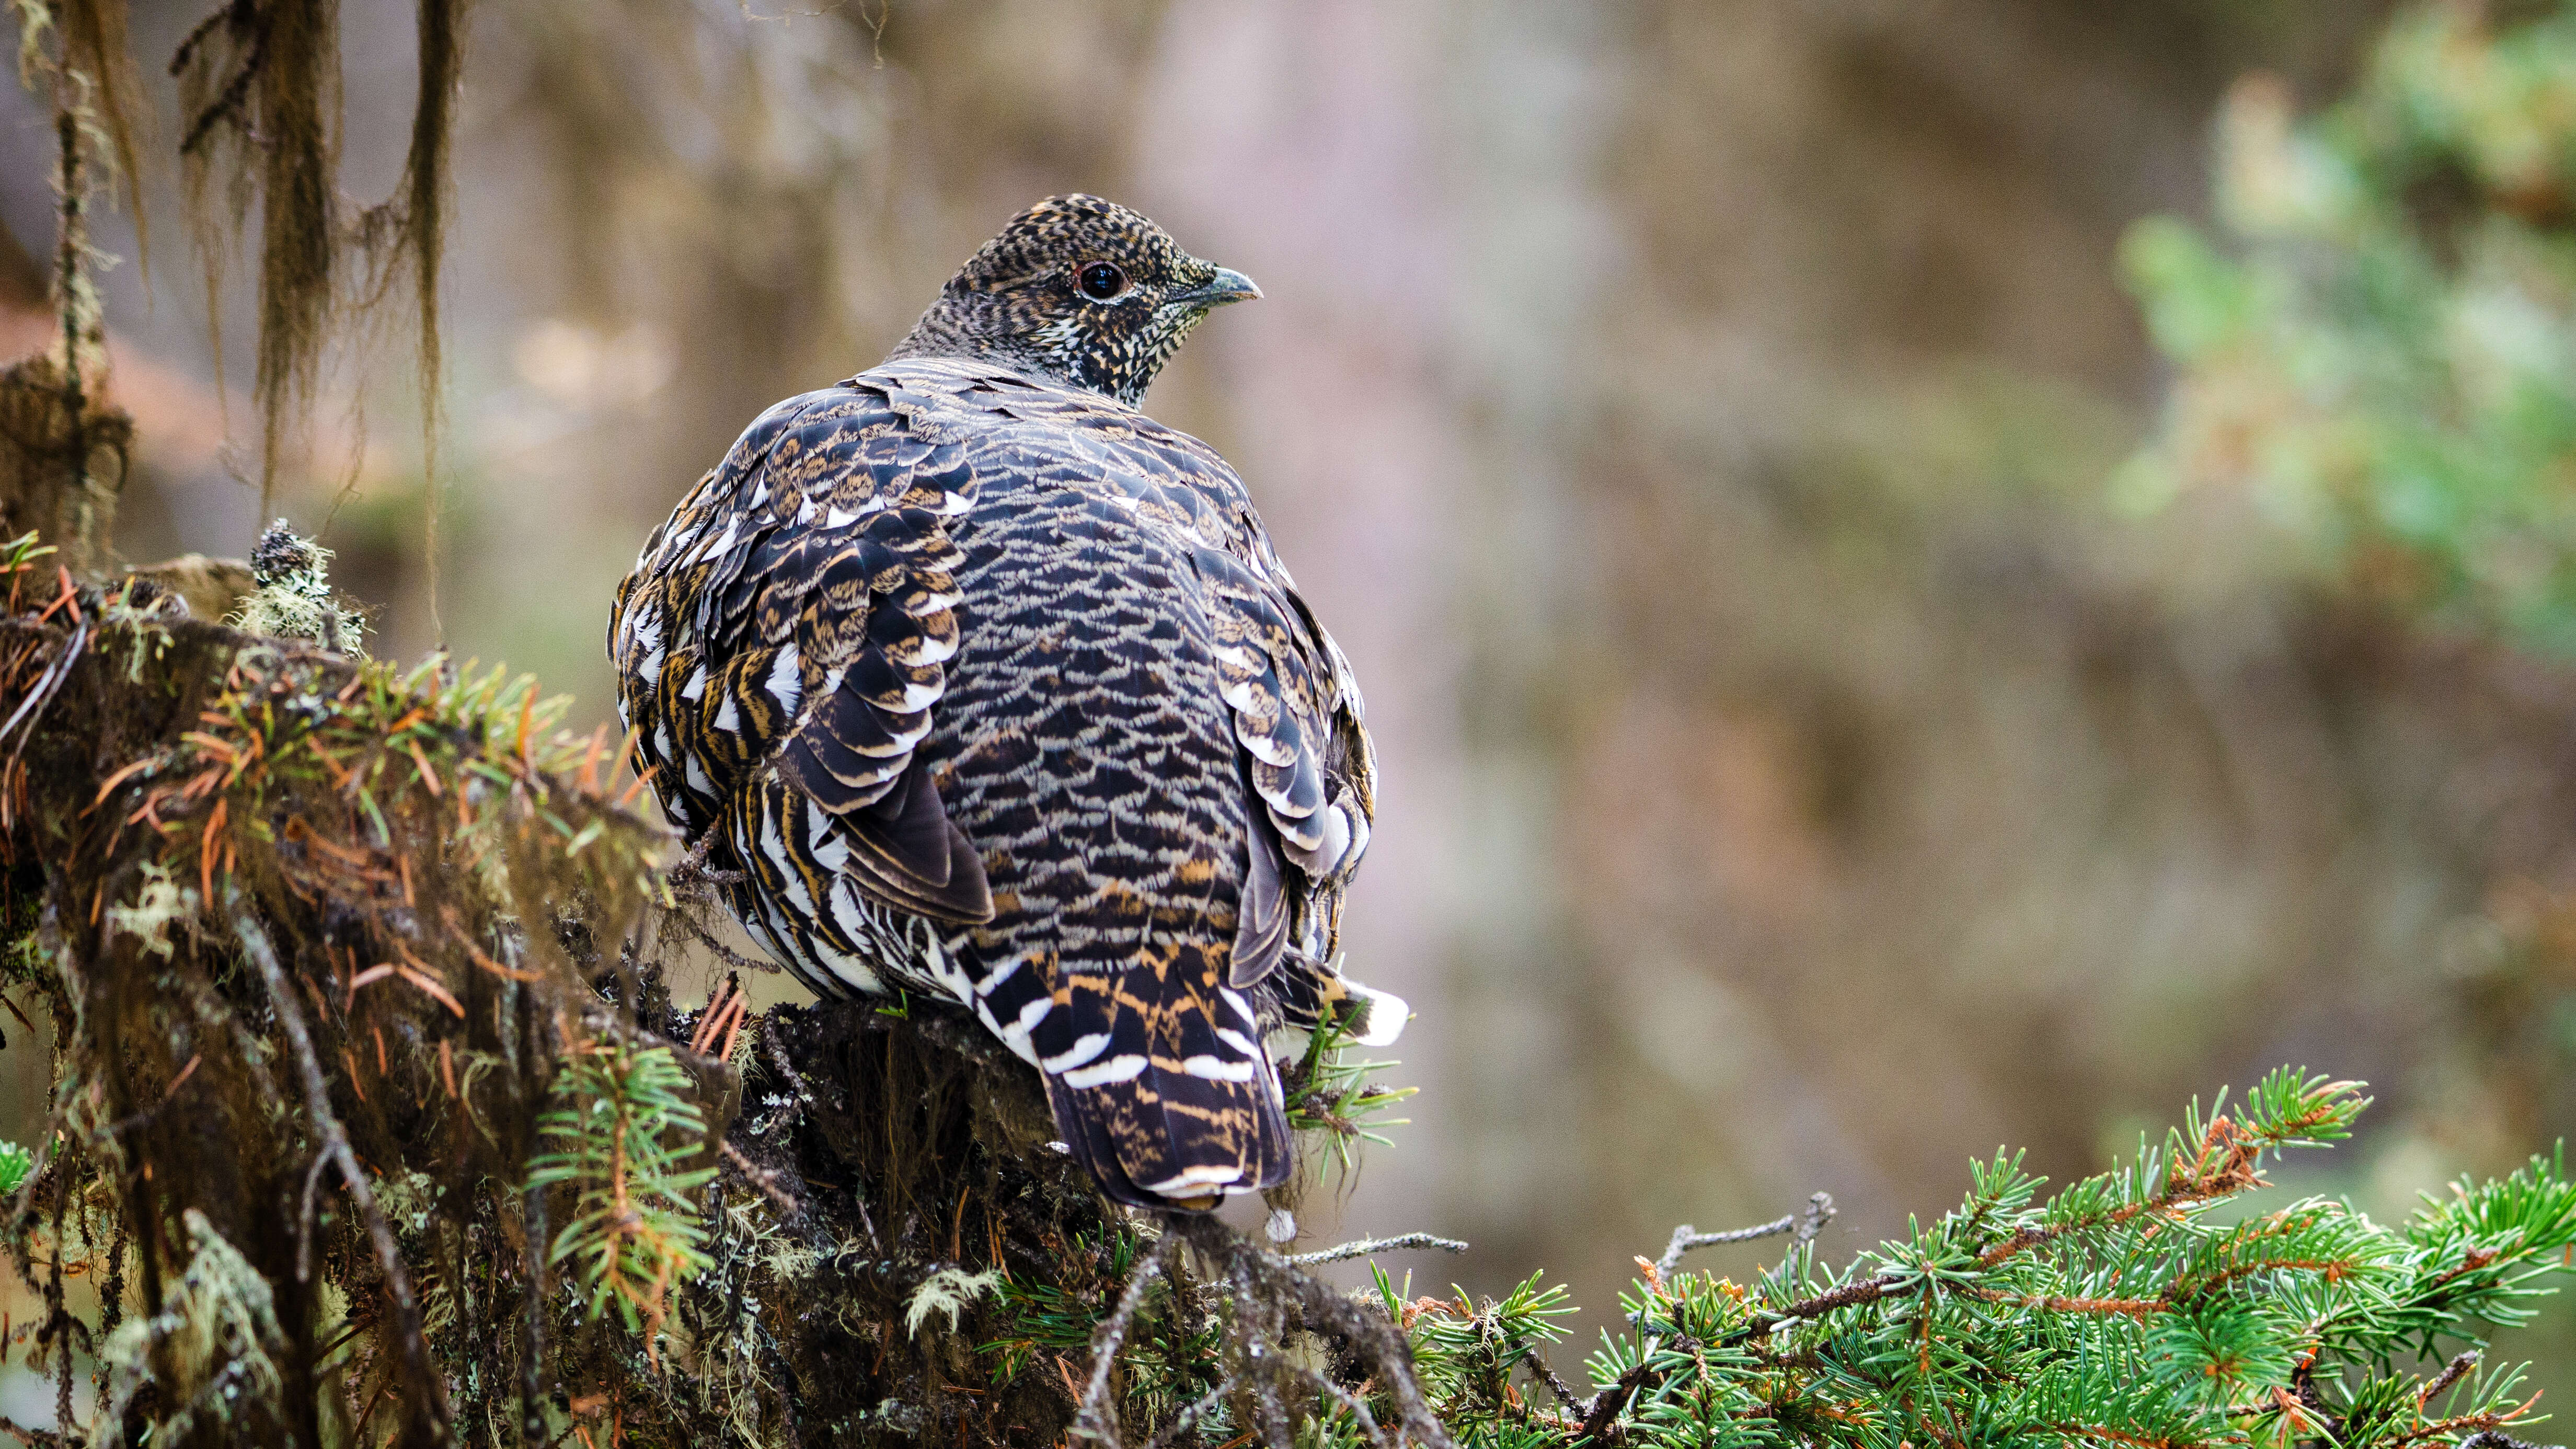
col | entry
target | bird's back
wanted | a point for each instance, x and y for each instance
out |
(994, 687)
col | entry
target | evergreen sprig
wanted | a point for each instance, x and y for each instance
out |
(620, 1130)
(1335, 1101)
(2390, 382)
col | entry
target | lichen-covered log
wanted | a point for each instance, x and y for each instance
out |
(198, 817)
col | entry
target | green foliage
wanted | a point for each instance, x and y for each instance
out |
(620, 1131)
(2382, 353)
(1333, 1101)
(1171, 1352)
(1058, 1319)
(20, 554)
(15, 1163)
(2144, 1306)
(1466, 1354)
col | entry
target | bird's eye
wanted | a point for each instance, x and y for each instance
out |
(1101, 281)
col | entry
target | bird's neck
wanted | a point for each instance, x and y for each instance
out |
(963, 327)
(968, 327)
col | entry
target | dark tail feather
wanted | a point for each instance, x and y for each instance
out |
(1175, 1117)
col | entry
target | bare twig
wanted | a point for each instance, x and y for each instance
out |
(765, 1040)
(1686, 1237)
(2493, 1439)
(1367, 1333)
(1366, 1246)
(1820, 1210)
(1605, 1405)
(692, 879)
(698, 932)
(762, 1178)
(335, 1145)
(1260, 1325)
(532, 1316)
(1564, 1391)
(304, 1217)
(31, 709)
(2451, 1374)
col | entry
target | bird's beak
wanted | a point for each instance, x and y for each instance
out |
(1228, 285)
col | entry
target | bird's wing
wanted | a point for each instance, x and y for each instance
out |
(794, 614)
(1274, 675)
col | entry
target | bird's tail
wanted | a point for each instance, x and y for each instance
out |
(1167, 1096)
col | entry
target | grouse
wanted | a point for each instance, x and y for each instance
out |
(985, 685)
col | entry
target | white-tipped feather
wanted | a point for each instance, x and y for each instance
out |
(1387, 1014)
(1117, 1069)
(1083, 1050)
(1234, 999)
(1195, 1181)
(786, 683)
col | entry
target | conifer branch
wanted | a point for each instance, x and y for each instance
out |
(1820, 1210)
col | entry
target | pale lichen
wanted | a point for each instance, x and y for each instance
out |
(208, 1362)
(292, 597)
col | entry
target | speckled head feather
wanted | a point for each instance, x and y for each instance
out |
(1079, 291)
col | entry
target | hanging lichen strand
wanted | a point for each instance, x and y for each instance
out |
(259, 85)
(95, 72)
(418, 225)
(66, 452)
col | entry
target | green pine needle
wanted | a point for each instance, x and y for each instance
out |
(618, 1131)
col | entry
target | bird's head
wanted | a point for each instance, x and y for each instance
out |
(1081, 290)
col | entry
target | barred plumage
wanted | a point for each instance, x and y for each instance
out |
(992, 686)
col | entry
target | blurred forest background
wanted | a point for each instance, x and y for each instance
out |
(1928, 575)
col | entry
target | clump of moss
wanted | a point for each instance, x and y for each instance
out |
(291, 596)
